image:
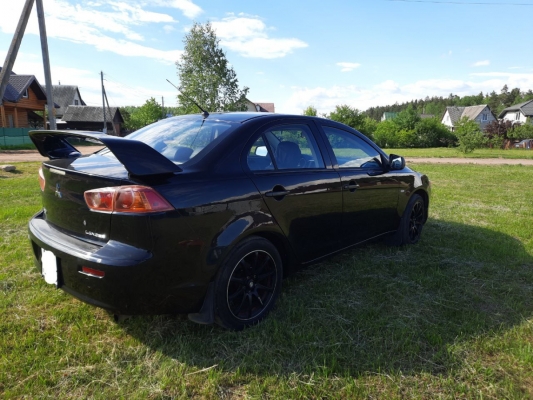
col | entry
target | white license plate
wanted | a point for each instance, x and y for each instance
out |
(49, 267)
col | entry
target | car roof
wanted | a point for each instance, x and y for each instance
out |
(241, 117)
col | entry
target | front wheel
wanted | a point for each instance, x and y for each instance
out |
(247, 284)
(411, 224)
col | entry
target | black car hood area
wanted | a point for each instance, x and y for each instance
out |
(138, 158)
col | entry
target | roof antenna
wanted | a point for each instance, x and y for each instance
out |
(204, 113)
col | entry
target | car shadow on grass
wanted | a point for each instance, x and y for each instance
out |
(372, 309)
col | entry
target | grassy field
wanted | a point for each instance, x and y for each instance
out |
(448, 318)
(453, 152)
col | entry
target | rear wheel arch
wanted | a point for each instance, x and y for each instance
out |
(247, 283)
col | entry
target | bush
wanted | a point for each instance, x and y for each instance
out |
(385, 134)
(432, 133)
(469, 135)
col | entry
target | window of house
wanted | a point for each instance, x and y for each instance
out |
(517, 117)
(25, 95)
(484, 117)
(76, 102)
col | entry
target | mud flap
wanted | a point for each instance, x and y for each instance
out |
(206, 315)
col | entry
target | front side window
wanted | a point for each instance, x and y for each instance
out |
(351, 151)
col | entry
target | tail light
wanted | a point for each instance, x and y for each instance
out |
(128, 199)
(41, 179)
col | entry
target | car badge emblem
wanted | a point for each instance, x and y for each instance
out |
(58, 191)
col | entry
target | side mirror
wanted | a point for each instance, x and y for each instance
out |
(261, 151)
(396, 162)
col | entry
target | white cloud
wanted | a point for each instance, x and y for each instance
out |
(483, 63)
(169, 28)
(189, 9)
(248, 36)
(107, 25)
(348, 66)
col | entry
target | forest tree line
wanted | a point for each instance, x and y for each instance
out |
(437, 105)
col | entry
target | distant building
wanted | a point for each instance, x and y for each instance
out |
(22, 98)
(387, 116)
(518, 113)
(64, 96)
(481, 114)
(260, 107)
(87, 118)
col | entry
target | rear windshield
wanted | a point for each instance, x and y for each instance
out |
(181, 139)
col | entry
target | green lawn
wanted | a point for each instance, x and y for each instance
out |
(454, 153)
(448, 318)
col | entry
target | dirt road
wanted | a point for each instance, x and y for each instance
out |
(10, 156)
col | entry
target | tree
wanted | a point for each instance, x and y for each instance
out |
(310, 111)
(348, 116)
(521, 132)
(407, 119)
(469, 135)
(430, 132)
(205, 75)
(139, 117)
(385, 134)
(498, 131)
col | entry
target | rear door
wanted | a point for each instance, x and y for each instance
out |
(370, 193)
(288, 168)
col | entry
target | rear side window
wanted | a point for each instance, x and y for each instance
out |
(293, 147)
(351, 151)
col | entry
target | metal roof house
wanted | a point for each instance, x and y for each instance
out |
(64, 96)
(88, 118)
(481, 114)
(518, 112)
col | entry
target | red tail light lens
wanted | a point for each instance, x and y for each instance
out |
(132, 199)
(42, 181)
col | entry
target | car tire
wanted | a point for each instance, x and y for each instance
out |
(247, 284)
(411, 223)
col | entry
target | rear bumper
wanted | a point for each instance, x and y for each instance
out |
(135, 282)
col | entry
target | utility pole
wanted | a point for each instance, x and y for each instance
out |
(46, 64)
(110, 115)
(14, 48)
(103, 101)
(162, 107)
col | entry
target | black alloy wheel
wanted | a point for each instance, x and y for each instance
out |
(411, 223)
(248, 284)
(416, 221)
(413, 220)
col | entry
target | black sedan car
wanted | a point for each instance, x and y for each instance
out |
(205, 214)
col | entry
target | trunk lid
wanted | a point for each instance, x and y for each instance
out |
(63, 200)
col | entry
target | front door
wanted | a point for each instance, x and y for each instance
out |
(370, 194)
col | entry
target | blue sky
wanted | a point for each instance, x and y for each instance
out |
(291, 53)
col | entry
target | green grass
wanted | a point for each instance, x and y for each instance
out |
(444, 152)
(448, 318)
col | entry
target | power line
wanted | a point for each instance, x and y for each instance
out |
(463, 3)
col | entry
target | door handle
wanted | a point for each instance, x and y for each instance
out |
(351, 186)
(277, 193)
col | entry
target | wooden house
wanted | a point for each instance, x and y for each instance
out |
(24, 96)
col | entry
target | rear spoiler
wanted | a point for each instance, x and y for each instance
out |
(137, 157)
